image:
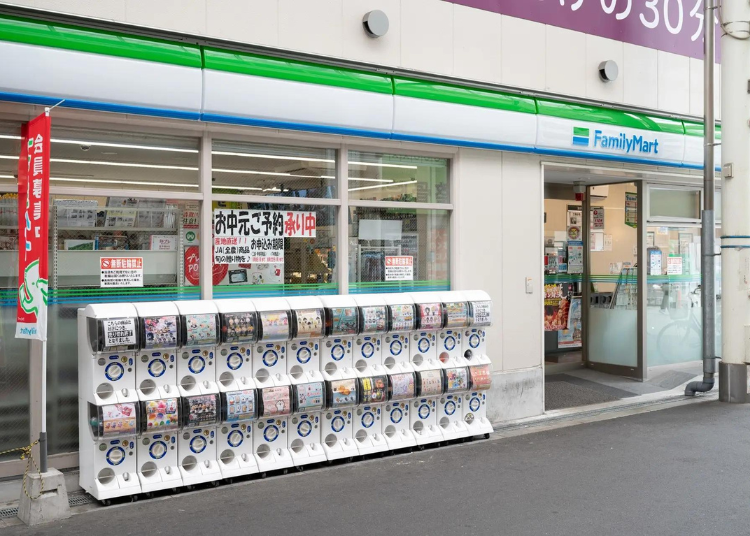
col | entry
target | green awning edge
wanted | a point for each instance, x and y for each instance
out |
(297, 71)
(608, 116)
(31, 32)
(696, 129)
(420, 89)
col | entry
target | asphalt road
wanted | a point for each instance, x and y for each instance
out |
(684, 470)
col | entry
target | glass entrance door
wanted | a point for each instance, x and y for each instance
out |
(612, 282)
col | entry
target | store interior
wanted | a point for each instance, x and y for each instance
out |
(600, 344)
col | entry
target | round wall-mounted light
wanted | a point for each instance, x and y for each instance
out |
(375, 23)
(608, 71)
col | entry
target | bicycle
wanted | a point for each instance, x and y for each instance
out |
(688, 332)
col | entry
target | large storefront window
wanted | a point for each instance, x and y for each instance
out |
(387, 177)
(273, 170)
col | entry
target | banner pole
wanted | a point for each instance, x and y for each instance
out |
(43, 433)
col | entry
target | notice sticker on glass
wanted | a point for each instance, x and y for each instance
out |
(481, 378)
(118, 420)
(202, 410)
(457, 315)
(161, 415)
(309, 396)
(402, 317)
(275, 326)
(343, 321)
(309, 323)
(402, 386)
(674, 265)
(456, 379)
(200, 329)
(240, 405)
(431, 383)
(160, 332)
(238, 327)
(120, 332)
(373, 319)
(343, 392)
(276, 401)
(399, 268)
(481, 312)
(430, 316)
(374, 389)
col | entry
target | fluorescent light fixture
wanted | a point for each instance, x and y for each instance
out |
(109, 144)
(364, 179)
(122, 164)
(139, 183)
(251, 172)
(382, 186)
(6, 157)
(274, 157)
(374, 164)
(7, 177)
(237, 187)
(9, 137)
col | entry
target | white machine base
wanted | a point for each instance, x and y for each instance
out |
(308, 454)
(242, 465)
(454, 430)
(480, 426)
(345, 447)
(274, 460)
(401, 439)
(372, 444)
(119, 487)
(201, 473)
(161, 480)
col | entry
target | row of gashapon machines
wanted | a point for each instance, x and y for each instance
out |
(182, 393)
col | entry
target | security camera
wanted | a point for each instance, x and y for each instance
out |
(85, 147)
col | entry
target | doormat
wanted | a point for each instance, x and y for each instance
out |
(562, 394)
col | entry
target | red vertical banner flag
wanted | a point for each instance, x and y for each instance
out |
(33, 224)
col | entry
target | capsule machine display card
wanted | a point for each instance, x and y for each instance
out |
(310, 396)
(160, 332)
(276, 401)
(456, 379)
(119, 332)
(275, 326)
(402, 386)
(161, 415)
(238, 327)
(309, 323)
(373, 319)
(481, 312)
(374, 389)
(202, 410)
(481, 378)
(118, 419)
(240, 405)
(457, 315)
(402, 317)
(343, 392)
(344, 321)
(201, 329)
(431, 383)
(430, 316)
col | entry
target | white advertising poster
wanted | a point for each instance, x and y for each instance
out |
(399, 268)
(597, 218)
(674, 265)
(163, 243)
(121, 272)
(257, 236)
(120, 332)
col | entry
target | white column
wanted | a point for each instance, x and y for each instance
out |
(206, 230)
(735, 199)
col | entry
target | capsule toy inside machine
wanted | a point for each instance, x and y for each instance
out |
(369, 415)
(429, 308)
(305, 425)
(196, 444)
(196, 361)
(308, 328)
(402, 320)
(274, 331)
(238, 334)
(156, 451)
(402, 389)
(271, 437)
(456, 318)
(450, 410)
(342, 325)
(239, 410)
(367, 351)
(337, 429)
(156, 361)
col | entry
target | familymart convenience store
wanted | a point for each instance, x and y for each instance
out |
(348, 177)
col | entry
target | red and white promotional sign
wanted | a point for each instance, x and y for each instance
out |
(399, 268)
(121, 272)
(33, 223)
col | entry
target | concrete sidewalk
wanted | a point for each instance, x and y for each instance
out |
(676, 471)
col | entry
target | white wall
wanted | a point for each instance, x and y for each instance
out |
(427, 35)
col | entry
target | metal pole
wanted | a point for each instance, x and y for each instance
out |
(708, 222)
(43, 433)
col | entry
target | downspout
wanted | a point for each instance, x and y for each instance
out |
(708, 221)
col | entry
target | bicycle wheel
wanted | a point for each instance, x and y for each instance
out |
(678, 341)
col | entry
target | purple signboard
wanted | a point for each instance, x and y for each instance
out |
(671, 25)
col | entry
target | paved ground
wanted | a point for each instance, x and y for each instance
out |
(684, 470)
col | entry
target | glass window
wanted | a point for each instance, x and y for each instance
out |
(398, 249)
(305, 264)
(273, 170)
(387, 177)
(10, 151)
(671, 203)
(123, 160)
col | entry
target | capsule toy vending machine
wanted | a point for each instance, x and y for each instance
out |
(423, 415)
(274, 331)
(239, 410)
(234, 355)
(455, 320)
(368, 418)
(402, 388)
(450, 412)
(305, 424)
(156, 360)
(424, 354)
(196, 446)
(156, 451)
(108, 339)
(367, 352)
(199, 337)
(270, 439)
(337, 429)
(474, 343)
(108, 434)
(342, 325)
(475, 405)
(303, 351)
(402, 320)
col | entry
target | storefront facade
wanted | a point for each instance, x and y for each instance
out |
(396, 157)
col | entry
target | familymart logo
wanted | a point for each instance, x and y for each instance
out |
(621, 142)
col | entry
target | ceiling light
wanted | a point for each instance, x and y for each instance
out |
(107, 144)
(399, 166)
(7, 177)
(108, 181)
(382, 186)
(121, 164)
(365, 179)
(237, 187)
(274, 157)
